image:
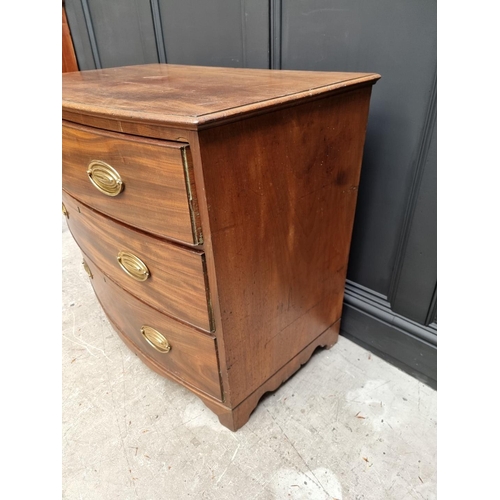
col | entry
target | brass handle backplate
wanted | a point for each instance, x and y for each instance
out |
(87, 269)
(133, 266)
(105, 178)
(155, 339)
(65, 211)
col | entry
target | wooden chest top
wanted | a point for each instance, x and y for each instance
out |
(194, 96)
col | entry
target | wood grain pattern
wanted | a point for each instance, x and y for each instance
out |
(68, 51)
(177, 285)
(194, 96)
(234, 418)
(129, 128)
(276, 159)
(155, 197)
(280, 229)
(192, 358)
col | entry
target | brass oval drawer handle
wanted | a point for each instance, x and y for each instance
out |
(105, 178)
(65, 211)
(155, 339)
(133, 266)
(87, 269)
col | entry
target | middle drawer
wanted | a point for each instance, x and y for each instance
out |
(169, 278)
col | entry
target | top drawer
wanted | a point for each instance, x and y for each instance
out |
(153, 180)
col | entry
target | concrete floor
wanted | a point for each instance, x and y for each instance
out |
(347, 426)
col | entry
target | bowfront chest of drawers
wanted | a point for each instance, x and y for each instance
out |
(214, 210)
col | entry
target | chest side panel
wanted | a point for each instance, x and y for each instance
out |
(281, 191)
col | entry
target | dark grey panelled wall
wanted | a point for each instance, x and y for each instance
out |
(215, 33)
(390, 303)
(223, 32)
(396, 38)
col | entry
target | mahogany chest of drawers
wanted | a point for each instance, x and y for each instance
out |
(214, 210)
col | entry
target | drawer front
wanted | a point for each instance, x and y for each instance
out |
(145, 183)
(165, 276)
(189, 355)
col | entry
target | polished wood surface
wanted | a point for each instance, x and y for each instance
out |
(280, 229)
(195, 96)
(274, 164)
(238, 416)
(68, 51)
(155, 197)
(192, 358)
(177, 284)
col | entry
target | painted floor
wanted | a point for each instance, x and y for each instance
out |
(347, 426)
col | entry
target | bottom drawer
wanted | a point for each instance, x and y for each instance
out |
(176, 349)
